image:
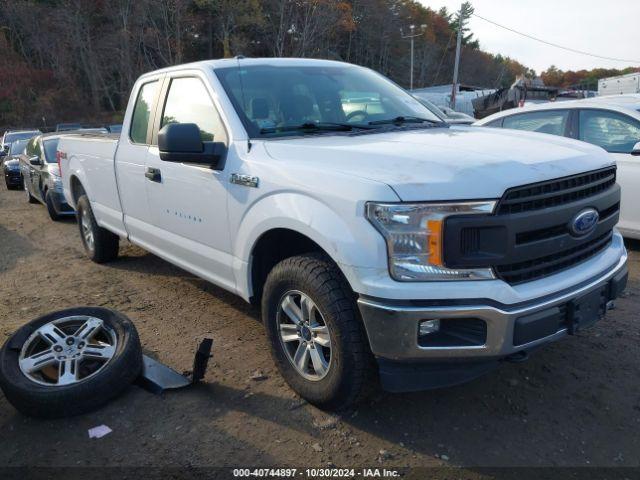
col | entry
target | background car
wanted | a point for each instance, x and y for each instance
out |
(41, 175)
(611, 122)
(446, 114)
(13, 135)
(10, 165)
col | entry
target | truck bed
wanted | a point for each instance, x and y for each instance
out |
(93, 155)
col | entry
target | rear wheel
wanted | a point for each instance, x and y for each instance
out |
(51, 209)
(99, 243)
(317, 338)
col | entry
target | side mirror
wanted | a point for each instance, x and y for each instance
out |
(34, 160)
(636, 149)
(181, 143)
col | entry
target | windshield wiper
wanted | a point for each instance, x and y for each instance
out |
(315, 127)
(404, 119)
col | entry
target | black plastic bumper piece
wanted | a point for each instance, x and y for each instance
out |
(398, 377)
(573, 315)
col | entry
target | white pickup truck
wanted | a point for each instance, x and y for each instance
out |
(381, 243)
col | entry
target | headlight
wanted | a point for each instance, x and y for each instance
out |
(414, 236)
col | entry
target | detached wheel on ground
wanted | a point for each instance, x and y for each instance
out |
(317, 337)
(69, 362)
(51, 209)
(99, 243)
(30, 198)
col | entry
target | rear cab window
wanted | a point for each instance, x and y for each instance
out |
(142, 112)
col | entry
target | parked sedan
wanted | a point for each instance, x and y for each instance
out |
(41, 175)
(12, 135)
(10, 165)
(611, 122)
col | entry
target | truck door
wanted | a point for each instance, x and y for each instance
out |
(131, 154)
(189, 202)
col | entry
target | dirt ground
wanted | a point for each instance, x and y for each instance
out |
(574, 403)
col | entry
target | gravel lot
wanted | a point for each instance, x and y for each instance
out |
(575, 403)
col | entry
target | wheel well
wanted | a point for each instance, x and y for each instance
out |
(76, 189)
(270, 249)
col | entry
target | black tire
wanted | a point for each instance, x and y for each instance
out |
(49, 401)
(51, 209)
(30, 198)
(105, 244)
(352, 373)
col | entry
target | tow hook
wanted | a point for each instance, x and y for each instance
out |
(518, 357)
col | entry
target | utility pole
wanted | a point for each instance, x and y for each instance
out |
(412, 35)
(454, 89)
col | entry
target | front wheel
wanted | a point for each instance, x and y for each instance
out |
(317, 338)
(100, 244)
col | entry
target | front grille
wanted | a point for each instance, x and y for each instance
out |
(515, 273)
(552, 193)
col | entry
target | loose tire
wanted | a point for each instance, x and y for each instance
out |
(96, 370)
(30, 198)
(342, 370)
(51, 209)
(100, 244)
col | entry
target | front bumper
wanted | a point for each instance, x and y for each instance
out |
(60, 204)
(392, 328)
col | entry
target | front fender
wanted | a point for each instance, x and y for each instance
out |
(340, 230)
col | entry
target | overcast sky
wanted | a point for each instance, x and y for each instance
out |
(603, 27)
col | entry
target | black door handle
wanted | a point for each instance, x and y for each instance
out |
(153, 174)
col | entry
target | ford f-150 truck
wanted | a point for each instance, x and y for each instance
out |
(381, 243)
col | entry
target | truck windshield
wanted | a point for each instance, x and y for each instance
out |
(296, 100)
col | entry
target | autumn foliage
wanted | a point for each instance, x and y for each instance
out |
(76, 60)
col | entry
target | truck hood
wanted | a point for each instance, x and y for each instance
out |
(444, 163)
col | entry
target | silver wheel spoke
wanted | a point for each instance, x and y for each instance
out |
(292, 310)
(51, 333)
(103, 352)
(321, 335)
(89, 328)
(301, 358)
(38, 361)
(307, 307)
(68, 371)
(320, 365)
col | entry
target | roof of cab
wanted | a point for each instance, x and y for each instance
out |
(243, 61)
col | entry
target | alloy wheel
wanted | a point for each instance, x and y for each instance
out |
(304, 335)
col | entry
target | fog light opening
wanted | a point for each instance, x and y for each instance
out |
(427, 327)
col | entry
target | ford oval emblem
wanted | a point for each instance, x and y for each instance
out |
(584, 222)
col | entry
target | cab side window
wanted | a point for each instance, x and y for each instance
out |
(553, 122)
(613, 131)
(188, 101)
(142, 112)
